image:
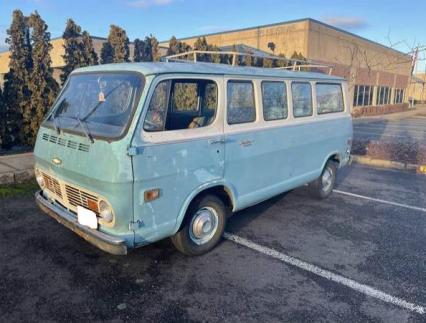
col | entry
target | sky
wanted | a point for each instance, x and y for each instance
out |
(395, 23)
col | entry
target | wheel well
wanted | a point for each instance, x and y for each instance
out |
(220, 191)
(335, 158)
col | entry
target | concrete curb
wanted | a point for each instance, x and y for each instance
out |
(16, 155)
(388, 164)
(16, 168)
(16, 177)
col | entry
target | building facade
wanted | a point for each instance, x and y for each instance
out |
(417, 89)
(378, 76)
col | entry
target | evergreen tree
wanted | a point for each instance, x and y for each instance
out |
(42, 85)
(229, 59)
(177, 47)
(89, 54)
(74, 55)
(202, 45)
(139, 50)
(282, 62)
(173, 46)
(299, 57)
(247, 60)
(257, 61)
(17, 95)
(147, 53)
(268, 62)
(116, 49)
(107, 53)
(152, 50)
(216, 58)
(155, 50)
(79, 50)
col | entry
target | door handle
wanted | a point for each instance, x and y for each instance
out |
(217, 141)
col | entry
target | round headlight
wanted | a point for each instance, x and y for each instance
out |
(39, 179)
(105, 211)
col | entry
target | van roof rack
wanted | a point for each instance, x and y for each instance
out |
(195, 56)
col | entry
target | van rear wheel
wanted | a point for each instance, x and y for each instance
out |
(203, 226)
(323, 186)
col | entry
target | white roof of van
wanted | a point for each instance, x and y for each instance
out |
(205, 68)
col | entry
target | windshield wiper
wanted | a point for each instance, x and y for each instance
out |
(92, 110)
(82, 121)
(85, 129)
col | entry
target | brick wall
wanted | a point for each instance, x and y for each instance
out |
(377, 110)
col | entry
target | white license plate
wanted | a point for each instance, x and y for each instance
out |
(87, 217)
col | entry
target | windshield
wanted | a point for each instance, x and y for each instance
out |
(99, 104)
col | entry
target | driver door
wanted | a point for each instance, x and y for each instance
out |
(182, 148)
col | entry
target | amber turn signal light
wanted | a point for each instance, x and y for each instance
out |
(92, 205)
(151, 195)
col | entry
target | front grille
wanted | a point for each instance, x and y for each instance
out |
(69, 195)
(78, 197)
(52, 185)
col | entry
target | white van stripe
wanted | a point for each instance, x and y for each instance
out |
(364, 289)
(381, 201)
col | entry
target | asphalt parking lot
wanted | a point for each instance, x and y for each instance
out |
(410, 128)
(358, 256)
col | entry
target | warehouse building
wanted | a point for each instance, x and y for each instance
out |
(378, 76)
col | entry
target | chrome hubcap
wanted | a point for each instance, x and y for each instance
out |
(327, 179)
(203, 225)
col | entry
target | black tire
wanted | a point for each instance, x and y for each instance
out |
(186, 241)
(318, 188)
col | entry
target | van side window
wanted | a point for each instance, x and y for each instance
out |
(274, 98)
(241, 107)
(181, 104)
(302, 99)
(157, 110)
(329, 98)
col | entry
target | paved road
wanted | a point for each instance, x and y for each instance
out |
(410, 128)
(48, 273)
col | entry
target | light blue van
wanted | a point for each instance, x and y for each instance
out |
(134, 153)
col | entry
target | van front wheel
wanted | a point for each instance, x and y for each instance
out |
(203, 227)
(322, 187)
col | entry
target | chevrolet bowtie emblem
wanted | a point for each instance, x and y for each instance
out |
(56, 161)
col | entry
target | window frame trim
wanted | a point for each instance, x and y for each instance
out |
(48, 124)
(312, 99)
(170, 78)
(342, 96)
(286, 99)
(235, 80)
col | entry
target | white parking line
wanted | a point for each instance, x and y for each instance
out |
(364, 289)
(411, 207)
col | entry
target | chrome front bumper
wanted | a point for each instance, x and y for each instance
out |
(111, 244)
